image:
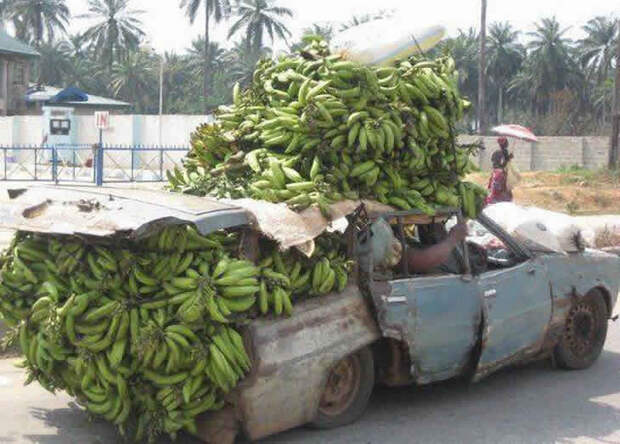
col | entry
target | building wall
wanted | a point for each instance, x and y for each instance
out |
(550, 153)
(4, 86)
(124, 130)
(16, 87)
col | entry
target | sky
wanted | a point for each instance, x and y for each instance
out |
(168, 29)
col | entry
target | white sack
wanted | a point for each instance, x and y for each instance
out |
(381, 42)
(512, 217)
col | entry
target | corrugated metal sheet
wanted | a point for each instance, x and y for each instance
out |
(11, 45)
(112, 212)
(47, 92)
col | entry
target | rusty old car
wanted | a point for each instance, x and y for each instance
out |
(488, 310)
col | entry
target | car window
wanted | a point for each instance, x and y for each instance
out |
(488, 251)
(419, 237)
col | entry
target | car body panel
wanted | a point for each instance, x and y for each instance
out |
(438, 317)
(517, 311)
(292, 357)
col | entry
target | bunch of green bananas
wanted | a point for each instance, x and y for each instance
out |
(145, 333)
(313, 129)
(290, 276)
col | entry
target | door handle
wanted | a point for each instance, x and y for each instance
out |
(531, 271)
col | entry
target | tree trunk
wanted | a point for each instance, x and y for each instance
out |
(206, 60)
(38, 31)
(615, 127)
(482, 126)
(500, 105)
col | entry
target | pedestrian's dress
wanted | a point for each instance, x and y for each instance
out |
(498, 187)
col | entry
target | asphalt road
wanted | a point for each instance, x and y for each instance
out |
(532, 404)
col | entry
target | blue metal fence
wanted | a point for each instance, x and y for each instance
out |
(89, 163)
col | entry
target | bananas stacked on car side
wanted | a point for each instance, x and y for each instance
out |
(145, 334)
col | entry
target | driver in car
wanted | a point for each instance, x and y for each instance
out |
(439, 255)
(420, 259)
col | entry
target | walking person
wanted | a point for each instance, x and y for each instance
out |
(499, 191)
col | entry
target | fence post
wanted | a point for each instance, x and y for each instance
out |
(54, 164)
(99, 162)
(161, 163)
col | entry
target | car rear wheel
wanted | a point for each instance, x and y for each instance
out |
(584, 333)
(347, 390)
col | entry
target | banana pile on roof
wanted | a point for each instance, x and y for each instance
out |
(313, 129)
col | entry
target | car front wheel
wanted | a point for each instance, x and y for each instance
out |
(347, 390)
(584, 333)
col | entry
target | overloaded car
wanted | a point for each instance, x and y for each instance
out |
(487, 309)
(482, 310)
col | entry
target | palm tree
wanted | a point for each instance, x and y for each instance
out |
(326, 31)
(597, 49)
(243, 60)
(464, 50)
(74, 45)
(53, 65)
(357, 20)
(133, 78)
(178, 77)
(117, 31)
(549, 66)
(4, 15)
(505, 56)
(38, 18)
(257, 17)
(214, 61)
(218, 9)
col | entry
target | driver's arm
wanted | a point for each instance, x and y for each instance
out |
(423, 261)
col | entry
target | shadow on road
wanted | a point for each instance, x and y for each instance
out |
(535, 403)
(73, 425)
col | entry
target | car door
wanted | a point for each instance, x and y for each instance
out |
(517, 308)
(438, 317)
(445, 326)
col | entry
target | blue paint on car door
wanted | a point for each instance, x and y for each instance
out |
(441, 318)
(517, 309)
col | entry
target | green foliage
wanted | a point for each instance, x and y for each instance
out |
(117, 31)
(37, 21)
(541, 79)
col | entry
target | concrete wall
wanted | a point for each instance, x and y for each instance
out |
(124, 130)
(550, 153)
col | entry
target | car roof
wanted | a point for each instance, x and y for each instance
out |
(109, 212)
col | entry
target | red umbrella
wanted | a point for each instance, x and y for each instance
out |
(518, 131)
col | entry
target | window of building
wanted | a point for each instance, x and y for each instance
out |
(19, 74)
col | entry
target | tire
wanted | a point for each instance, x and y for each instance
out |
(585, 332)
(347, 391)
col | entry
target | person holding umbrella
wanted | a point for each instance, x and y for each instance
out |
(505, 176)
(498, 183)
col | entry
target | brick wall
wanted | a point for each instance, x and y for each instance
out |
(550, 153)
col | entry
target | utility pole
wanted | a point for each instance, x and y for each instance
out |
(161, 95)
(615, 125)
(482, 126)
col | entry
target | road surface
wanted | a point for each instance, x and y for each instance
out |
(532, 404)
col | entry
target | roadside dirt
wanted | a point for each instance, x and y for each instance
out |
(576, 192)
